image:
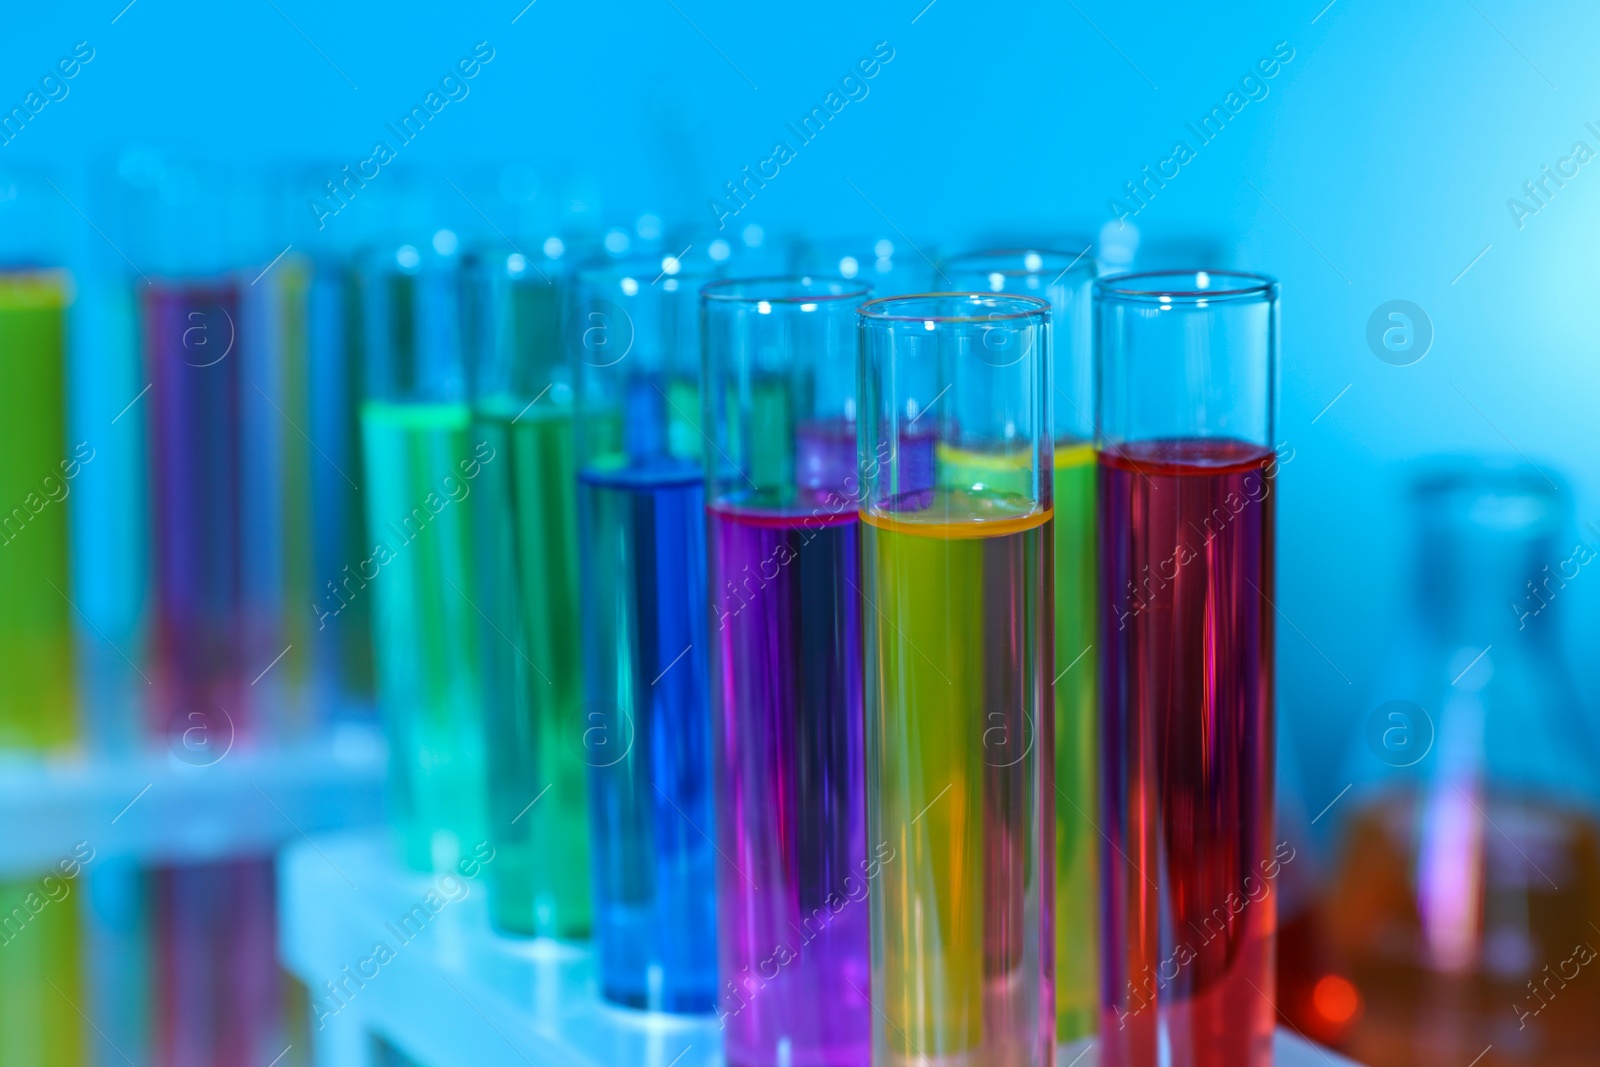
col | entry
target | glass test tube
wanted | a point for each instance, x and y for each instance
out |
(525, 513)
(213, 445)
(646, 730)
(38, 1024)
(1064, 279)
(955, 457)
(889, 265)
(780, 372)
(217, 986)
(323, 306)
(422, 462)
(191, 340)
(1187, 390)
(37, 703)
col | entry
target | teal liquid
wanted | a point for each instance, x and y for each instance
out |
(421, 468)
(525, 510)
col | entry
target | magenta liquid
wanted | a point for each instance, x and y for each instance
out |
(793, 909)
(1189, 904)
(196, 395)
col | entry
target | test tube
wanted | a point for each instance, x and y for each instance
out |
(217, 986)
(191, 341)
(38, 709)
(1064, 279)
(956, 467)
(216, 508)
(780, 371)
(1185, 408)
(889, 263)
(525, 513)
(646, 729)
(322, 305)
(422, 462)
(41, 946)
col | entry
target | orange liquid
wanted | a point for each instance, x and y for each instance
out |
(1441, 941)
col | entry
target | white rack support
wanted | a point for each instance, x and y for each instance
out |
(159, 808)
(411, 958)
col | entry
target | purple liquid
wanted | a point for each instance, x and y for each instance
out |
(217, 982)
(787, 686)
(195, 366)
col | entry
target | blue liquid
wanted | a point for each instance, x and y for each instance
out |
(646, 733)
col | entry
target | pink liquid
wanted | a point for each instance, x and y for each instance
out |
(1189, 905)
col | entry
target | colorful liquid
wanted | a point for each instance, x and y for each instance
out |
(291, 680)
(1186, 660)
(41, 981)
(421, 466)
(341, 653)
(525, 507)
(958, 731)
(1077, 799)
(217, 979)
(36, 701)
(791, 813)
(1497, 958)
(646, 733)
(198, 456)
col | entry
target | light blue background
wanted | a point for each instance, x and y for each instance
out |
(1377, 168)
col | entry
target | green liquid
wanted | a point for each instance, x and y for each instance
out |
(41, 982)
(526, 511)
(1077, 747)
(299, 584)
(420, 470)
(1077, 717)
(36, 701)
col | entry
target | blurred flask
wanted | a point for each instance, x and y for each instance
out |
(37, 469)
(1464, 911)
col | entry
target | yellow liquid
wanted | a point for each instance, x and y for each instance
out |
(957, 721)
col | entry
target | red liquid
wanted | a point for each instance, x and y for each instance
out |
(1189, 904)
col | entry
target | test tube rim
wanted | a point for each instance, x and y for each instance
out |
(1024, 308)
(973, 261)
(849, 290)
(1253, 287)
